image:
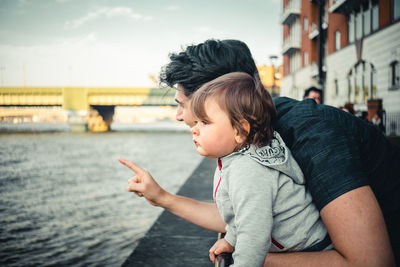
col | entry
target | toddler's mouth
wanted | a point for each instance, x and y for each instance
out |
(195, 143)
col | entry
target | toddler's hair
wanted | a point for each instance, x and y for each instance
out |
(242, 98)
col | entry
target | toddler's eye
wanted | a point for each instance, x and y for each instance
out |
(205, 122)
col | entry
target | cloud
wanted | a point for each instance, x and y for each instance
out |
(86, 40)
(81, 61)
(106, 12)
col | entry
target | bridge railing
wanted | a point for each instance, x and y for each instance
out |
(72, 98)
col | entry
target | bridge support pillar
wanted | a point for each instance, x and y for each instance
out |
(100, 118)
(75, 103)
(78, 120)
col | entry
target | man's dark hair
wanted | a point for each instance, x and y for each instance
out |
(203, 62)
(310, 89)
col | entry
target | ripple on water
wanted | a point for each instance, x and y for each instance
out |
(63, 199)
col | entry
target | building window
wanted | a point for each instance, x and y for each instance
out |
(375, 18)
(295, 31)
(372, 83)
(305, 24)
(364, 85)
(336, 87)
(349, 87)
(294, 62)
(361, 79)
(395, 75)
(357, 88)
(337, 40)
(396, 9)
(367, 21)
(305, 59)
(351, 28)
(358, 26)
(363, 22)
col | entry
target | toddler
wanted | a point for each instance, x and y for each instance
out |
(258, 186)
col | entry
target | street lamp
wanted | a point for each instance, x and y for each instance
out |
(273, 59)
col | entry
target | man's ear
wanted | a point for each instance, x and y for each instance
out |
(241, 138)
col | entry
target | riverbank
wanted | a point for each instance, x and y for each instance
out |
(172, 241)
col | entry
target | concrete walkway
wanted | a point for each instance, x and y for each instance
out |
(172, 241)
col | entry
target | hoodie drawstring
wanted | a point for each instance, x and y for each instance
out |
(220, 176)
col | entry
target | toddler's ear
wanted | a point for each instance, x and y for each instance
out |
(240, 138)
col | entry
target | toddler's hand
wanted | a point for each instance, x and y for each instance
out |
(219, 247)
(143, 184)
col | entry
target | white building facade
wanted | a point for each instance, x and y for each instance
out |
(361, 55)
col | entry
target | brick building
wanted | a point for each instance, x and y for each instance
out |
(357, 59)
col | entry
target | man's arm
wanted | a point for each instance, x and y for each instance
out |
(357, 230)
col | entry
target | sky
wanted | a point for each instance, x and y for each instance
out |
(119, 43)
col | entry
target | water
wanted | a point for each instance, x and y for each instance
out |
(63, 200)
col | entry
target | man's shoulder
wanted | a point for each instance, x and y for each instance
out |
(281, 102)
(290, 111)
(289, 107)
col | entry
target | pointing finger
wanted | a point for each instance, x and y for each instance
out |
(131, 165)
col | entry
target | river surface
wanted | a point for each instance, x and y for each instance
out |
(63, 195)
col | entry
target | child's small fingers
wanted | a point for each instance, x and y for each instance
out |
(211, 254)
(212, 257)
(135, 179)
(136, 187)
(129, 188)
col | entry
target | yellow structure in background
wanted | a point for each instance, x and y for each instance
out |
(31, 96)
(91, 107)
(118, 96)
(271, 78)
(75, 99)
(72, 98)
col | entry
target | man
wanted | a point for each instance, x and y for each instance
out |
(347, 164)
(313, 93)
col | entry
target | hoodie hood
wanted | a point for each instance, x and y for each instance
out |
(277, 156)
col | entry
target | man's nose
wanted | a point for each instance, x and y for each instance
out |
(179, 114)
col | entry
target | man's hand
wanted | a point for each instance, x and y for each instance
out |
(219, 247)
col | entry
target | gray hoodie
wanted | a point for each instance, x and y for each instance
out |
(260, 194)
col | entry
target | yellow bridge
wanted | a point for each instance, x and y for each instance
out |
(78, 102)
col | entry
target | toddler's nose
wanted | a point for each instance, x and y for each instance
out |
(194, 130)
